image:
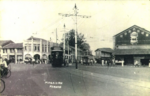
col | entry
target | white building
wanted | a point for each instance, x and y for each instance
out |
(13, 52)
(37, 48)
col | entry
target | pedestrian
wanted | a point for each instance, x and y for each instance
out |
(81, 61)
(4, 64)
(108, 63)
(136, 64)
(64, 61)
(113, 62)
(33, 61)
(91, 62)
(122, 62)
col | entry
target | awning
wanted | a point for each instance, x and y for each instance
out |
(28, 56)
(132, 52)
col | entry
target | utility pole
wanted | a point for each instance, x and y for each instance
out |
(75, 14)
(64, 45)
(68, 45)
(56, 36)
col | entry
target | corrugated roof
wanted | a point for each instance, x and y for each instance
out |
(105, 49)
(14, 45)
(131, 51)
(3, 42)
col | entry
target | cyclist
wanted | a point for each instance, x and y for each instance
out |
(3, 63)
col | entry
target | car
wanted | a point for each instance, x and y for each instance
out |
(27, 60)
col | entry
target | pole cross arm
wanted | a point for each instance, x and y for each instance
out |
(84, 16)
(66, 15)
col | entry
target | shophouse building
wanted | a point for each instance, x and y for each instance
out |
(38, 49)
(103, 55)
(3, 43)
(13, 52)
(132, 46)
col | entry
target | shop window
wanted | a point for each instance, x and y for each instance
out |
(29, 47)
(19, 58)
(142, 32)
(19, 50)
(3, 50)
(34, 47)
(134, 38)
(138, 30)
(45, 48)
(125, 33)
(133, 28)
(12, 50)
(147, 35)
(25, 47)
(121, 36)
(129, 31)
(42, 48)
(38, 48)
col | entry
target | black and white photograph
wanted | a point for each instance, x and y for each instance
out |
(74, 47)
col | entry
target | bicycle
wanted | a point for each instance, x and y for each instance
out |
(2, 85)
(5, 73)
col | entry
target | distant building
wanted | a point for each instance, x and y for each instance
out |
(102, 55)
(80, 53)
(13, 52)
(37, 48)
(71, 55)
(132, 46)
(3, 43)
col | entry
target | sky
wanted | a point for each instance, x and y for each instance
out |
(20, 19)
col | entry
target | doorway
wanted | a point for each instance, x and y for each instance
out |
(145, 62)
(128, 60)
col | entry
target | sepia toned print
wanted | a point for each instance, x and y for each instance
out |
(74, 48)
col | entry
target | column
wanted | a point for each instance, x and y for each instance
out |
(149, 62)
(47, 53)
(102, 62)
(23, 51)
(40, 49)
(15, 55)
(31, 47)
(8, 51)
(122, 63)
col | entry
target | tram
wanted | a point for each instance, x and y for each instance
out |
(57, 56)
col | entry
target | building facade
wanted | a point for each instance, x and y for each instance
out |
(132, 46)
(13, 52)
(37, 48)
(103, 55)
(70, 52)
(3, 43)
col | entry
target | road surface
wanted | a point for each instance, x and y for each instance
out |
(44, 80)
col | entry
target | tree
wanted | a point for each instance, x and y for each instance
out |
(81, 41)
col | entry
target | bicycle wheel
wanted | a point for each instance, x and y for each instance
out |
(2, 85)
(8, 74)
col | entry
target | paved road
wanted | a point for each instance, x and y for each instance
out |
(130, 72)
(43, 80)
